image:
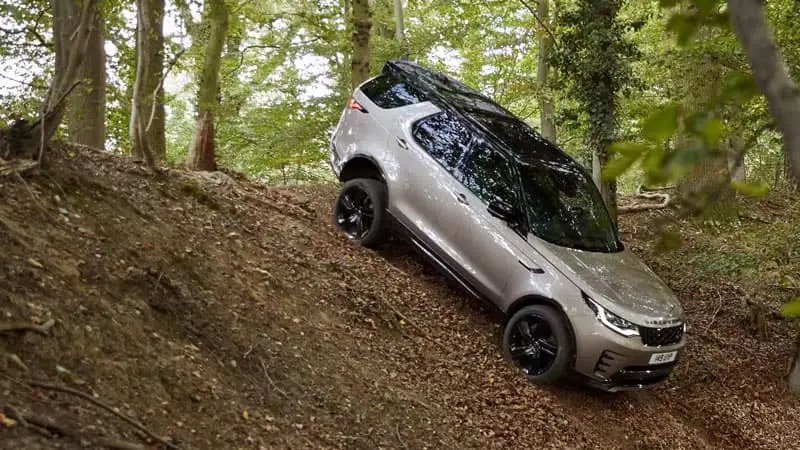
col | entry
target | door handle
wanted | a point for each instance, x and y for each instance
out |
(402, 143)
(532, 269)
(461, 198)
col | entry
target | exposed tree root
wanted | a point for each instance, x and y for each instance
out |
(650, 194)
(43, 329)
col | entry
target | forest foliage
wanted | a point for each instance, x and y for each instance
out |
(671, 68)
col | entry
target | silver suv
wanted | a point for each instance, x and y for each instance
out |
(511, 218)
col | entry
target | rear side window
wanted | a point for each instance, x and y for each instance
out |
(388, 92)
(444, 137)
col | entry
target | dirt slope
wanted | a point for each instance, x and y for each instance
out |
(226, 315)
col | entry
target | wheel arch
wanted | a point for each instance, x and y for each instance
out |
(361, 166)
(531, 300)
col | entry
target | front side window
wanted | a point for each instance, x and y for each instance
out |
(388, 92)
(443, 137)
(488, 174)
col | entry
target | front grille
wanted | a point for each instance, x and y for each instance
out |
(661, 336)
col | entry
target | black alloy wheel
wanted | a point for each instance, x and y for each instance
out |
(360, 211)
(537, 341)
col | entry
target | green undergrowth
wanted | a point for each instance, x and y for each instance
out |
(761, 248)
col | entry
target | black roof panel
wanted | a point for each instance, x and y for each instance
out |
(479, 110)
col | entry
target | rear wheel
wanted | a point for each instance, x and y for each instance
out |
(537, 341)
(360, 211)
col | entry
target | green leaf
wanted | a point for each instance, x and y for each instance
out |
(667, 3)
(751, 190)
(617, 166)
(791, 310)
(684, 27)
(628, 148)
(661, 124)
(713, 130)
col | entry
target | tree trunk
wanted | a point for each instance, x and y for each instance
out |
(361, 33)
(600, 157)
(793, 377)
(547, 114)
(736, 159)
(149, 70)
(87, 112)
(770, 74)
(400, 32)
(792, 180)
(202, 154)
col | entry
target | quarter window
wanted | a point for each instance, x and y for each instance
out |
(387, 92)
(488, 174)
(443, 137)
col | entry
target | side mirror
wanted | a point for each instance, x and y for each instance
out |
(504, 211)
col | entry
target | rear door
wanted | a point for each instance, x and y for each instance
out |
(432, 204)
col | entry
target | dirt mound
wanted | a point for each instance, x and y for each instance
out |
(221, 314)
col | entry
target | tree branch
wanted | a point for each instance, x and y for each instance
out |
(539, 20)
(270, 46)
(161, 86)
(770, 73)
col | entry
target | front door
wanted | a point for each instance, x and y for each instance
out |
(492, 246)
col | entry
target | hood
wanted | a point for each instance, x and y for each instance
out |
(618, 279)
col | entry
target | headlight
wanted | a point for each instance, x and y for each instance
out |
(611, 320)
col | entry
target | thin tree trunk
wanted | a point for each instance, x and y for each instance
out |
(202, 154)
(87, 112)
(362, 25)
(736, 159)
(400, 32)
(149, 70)
(770, 74)
(792, 181)
(547, 114)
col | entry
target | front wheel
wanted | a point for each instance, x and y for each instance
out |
(360, 211)
(537, 340)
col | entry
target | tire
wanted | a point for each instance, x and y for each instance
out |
(364, 198)
(555, 350)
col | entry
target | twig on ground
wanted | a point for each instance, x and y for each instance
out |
(754, 218)
(16, 166)
(716, 312)
(274, 386)
(33, 196)
(43, 329)
(107, 407)
(15, 233)
(399, 438)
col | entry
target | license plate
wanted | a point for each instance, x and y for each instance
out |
(663, 358)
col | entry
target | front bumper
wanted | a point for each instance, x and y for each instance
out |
(612, 362)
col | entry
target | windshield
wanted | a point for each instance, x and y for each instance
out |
(563, 204)
(565, 207)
